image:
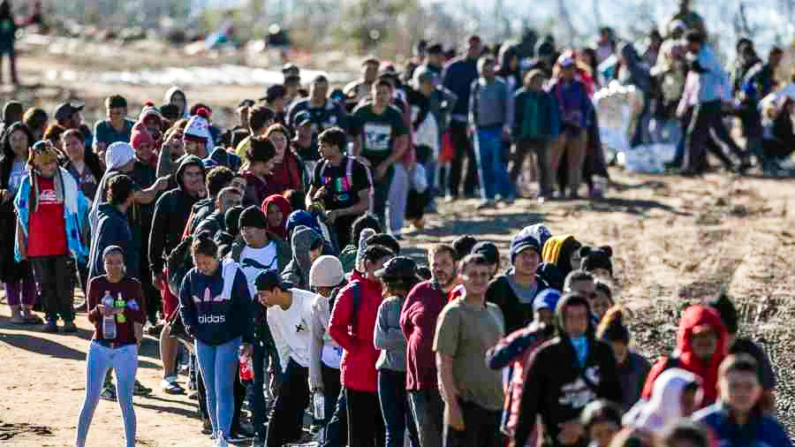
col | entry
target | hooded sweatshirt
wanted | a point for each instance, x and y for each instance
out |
(684, 358)
(297, 271)
(558, 251)
(665, 405)
(218, 306)
(505, 293)
(171, 214)
(633, 72)
(112, 229)
(284, 207)
(170, 94)
(360, 356)
(561, 385)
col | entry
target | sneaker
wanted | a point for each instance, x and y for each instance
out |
(69, 328)
(207, 427)
(486, 204)
(221, 442)
(141, 390)
(108, 393)
(193, 395)
(239, 435)
(170, 386)
(51, 327)
(33, 319)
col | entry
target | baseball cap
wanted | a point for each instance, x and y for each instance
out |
(270, 279)
(303, 118)
(547, 299)
(274, 92)
(400, 267)
(66, 110)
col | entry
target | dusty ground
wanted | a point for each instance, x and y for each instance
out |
(675, 240)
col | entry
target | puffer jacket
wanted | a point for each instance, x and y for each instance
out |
(359, 357)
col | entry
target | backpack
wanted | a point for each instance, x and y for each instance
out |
(178, 263)
(357, 297)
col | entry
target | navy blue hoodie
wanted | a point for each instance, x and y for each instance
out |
(217, 307)
(112, 229)
(458, 77)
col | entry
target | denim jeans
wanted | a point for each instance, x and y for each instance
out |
(493, 173)
(395, 408)
(481, 428)
(218, 366)
(381, 194)
(287, 416)
(336, 433)
(365, 423)
(124, 360)
(398, 196)
(427, 408)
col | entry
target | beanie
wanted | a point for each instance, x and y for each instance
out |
(304, 218)
(525, 238)
(541, 233)
(326, 272)
(198, 128)
(42, 153)
(253, 217)
(149, 109)
(118, 154)
(612, 326)
(140, 135)
(600, 258)
(547, 299)
(488, 250)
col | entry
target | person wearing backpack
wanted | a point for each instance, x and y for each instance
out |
(352, 326)
(565, 375)
(341, 183)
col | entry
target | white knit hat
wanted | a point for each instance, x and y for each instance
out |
(326, 272)
(118, 154)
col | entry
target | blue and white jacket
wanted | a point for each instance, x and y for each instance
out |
(75, 213)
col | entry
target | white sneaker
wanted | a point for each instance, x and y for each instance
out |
(221, 442)
(171, 386)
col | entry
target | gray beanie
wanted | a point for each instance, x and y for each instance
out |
(326, 272)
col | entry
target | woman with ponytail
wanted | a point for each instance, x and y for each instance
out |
(214, 306)
(632, 367)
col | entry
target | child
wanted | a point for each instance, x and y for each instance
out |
(601, 421)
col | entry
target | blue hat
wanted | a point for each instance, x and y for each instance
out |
(526, 238)
(304, 218)
(547, 299)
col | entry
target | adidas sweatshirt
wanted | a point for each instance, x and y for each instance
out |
(217, 307)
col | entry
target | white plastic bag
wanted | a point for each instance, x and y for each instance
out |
(419, 178)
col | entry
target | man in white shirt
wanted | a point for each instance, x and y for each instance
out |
(289, 318)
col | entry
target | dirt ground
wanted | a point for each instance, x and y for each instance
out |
(675, 240)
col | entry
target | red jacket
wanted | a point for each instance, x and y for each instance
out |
(358, 360)
(694, 316)
(418, 322)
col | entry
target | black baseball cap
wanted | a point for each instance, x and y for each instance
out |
(269, 280)
(291, 69)
(303, 118)
(65, 110)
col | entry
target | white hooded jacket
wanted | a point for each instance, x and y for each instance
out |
(665, 405)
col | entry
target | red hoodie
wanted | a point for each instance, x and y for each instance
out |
(284, 207)
(693, 317)
(358, 360)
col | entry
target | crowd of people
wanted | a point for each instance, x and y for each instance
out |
(266, 257)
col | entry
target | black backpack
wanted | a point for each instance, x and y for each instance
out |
(357, 297)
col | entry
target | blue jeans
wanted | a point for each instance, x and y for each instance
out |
(124, 361)
(493, 173)
(395, 407)
(218, 365)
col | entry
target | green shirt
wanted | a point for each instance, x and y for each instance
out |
(378, 131)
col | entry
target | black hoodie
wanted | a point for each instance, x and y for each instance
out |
(557, 388)
(171, 214)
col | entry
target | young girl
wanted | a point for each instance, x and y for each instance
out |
(399, 276)
(215, 308)
(601, 421)
(118, 350)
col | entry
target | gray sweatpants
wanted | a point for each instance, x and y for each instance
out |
(398, 195)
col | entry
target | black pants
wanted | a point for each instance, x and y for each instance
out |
(286, 421)
(259, 409)
(336, 433)
(342, 228)
(481, 428)
(55, 278)
(427, 408)
(541, 148)
(365, 423)
(463, 149)
(707, 118)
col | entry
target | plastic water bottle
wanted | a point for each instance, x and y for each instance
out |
(246, 368)
(319, 402)
(108, 323)
(120, 304)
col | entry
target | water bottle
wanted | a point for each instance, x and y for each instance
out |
(108, 323)
(120, 304)
(319, 402)
(246, 368)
